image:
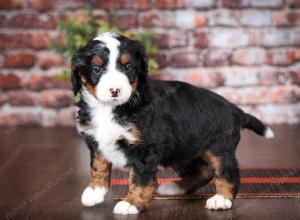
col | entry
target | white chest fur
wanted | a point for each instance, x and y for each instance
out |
(107, 131)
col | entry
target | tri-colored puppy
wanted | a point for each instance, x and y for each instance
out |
(130, 120)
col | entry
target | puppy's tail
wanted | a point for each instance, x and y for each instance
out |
(257, 126)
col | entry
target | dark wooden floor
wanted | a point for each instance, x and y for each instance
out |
(44, 171)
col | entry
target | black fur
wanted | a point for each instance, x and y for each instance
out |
(178, 121)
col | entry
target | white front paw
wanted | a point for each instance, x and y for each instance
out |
(92, 196)
(125, 208)
(218, 202)
(170, 189)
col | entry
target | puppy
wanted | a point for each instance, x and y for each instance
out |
(129, 120)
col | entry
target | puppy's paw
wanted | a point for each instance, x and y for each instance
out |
(125, 208)
(218, 202)
(92, 196)
(170, 189)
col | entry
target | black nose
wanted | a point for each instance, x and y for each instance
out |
(114, 92)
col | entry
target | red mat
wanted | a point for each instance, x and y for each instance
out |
(255, 183)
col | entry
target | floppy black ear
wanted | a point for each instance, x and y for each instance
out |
(144, 60)
(142, 57)
(77, 65)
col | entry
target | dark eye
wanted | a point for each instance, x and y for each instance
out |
(128, 66)
(97, 69)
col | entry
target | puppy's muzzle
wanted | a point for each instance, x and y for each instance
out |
(114, 92)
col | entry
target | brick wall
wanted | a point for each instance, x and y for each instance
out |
(246, 50)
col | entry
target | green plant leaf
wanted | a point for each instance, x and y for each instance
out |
(77, 31)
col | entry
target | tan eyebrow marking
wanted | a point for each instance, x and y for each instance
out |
(124, 58)
(97, 61)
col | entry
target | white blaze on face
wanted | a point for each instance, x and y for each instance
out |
(112, 78)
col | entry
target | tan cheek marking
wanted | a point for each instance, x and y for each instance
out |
(224, 188)
(97, 61)
(140, 196)
(100, 174)
(124, 59)
(90, 88)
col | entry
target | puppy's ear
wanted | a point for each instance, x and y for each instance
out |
(77, 66)
(142, 57)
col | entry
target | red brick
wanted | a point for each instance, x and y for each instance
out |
(185, 19)
(216, 58)
(287, 18)
(234, 3)
(25, 39)
(201, 39)
(161, 59)
(1, 60)
(223, 18)
(197, 77)
(144, 4)
(230, 38)
(48, 59)
(276, 113)
(66, 117)
(200, 21)
(171, 39)
(117, 4)
(250, 56)
(124, 20)
(279, 37)
(206, 4)
(23, 98)
(283, 56)
(3, 20)
(272, 77)
(256, 18)
(294, 3)
(295, 76)
(33, 20)
(151, 19)
(245, 76)
(239, 76)
(170, 4)
(266, 3)
(3, 99)
(54, 4)
(261, 95)
(204, 78)
(10, 4)
(288, 94)
(10, 81)
(20, 117)
(160, 4)
(57, 98)
(185, 59)
(39, 81)
(19, 60)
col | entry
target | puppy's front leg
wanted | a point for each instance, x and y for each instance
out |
(139, 196)
(100, 180)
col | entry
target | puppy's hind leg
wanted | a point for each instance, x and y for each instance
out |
(227, 178)
(193, 176)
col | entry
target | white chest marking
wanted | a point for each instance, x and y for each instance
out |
(107, 131)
